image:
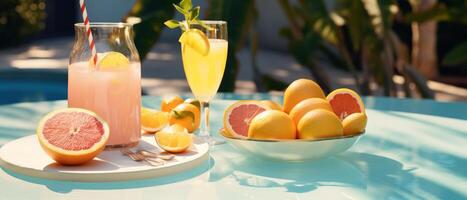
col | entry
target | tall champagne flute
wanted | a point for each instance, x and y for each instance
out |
(204, 72)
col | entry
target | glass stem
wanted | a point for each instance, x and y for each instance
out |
(204, 131)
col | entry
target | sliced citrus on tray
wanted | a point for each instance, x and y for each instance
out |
(72, 136)
(186, 115)
(238, 116)
(174, 139)
(344, 102)
(169, 103)
(153, 120)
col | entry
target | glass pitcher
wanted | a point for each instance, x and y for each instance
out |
(112, 87)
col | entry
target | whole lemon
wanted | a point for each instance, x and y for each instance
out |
(354, 123)
(300, 90)
(319, 123)
(272, 124)
(306, 106)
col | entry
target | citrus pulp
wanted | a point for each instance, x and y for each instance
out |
(72, 136)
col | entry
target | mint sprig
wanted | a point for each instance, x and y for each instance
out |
(191, 16)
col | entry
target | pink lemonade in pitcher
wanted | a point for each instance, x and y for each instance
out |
(114, 94)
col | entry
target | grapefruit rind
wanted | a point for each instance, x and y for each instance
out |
(70, 157)
(227, 127)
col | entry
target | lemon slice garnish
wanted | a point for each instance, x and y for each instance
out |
(196, 39)
(113, 61)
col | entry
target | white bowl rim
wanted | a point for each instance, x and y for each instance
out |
(297, 140)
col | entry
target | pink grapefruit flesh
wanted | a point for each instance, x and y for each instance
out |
(345, 102)
(344, 105)
(72, 136)
(73, 131)
(238, 116)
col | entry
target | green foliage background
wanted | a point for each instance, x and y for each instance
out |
(20, 19)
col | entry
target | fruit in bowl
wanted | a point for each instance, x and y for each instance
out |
(319, 123)
(300, 90)
(238, 116)
(307, 120)
(272, 124)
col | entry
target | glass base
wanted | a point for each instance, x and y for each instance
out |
(120, 146)
(212, 141)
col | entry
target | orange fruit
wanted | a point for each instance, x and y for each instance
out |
(169, 103)
(354, 123)
(174, 139)
(153, 120)
(319, 123)
(193, 102)
(186, 115)
(72, 136)
(306, 106)
(344, 102)
(300, 90)
(271, 104)
(237, 117)
(271, 125)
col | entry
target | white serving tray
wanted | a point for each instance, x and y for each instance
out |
(26, 156)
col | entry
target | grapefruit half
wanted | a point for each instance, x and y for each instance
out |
(345, 102)
(238, 116)
(72, 136)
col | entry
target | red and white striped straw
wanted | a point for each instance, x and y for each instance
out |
(84, 13)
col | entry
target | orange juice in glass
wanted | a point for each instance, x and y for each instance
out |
(112, 88)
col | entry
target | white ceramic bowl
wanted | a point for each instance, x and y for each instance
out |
(295, 150)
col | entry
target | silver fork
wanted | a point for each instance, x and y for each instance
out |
(138, 157)
(151, 154)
